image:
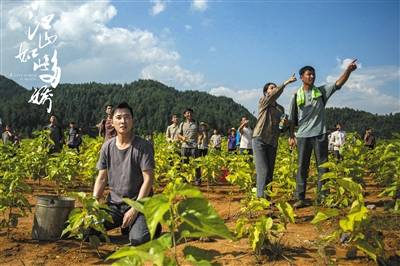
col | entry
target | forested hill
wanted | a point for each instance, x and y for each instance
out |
(153, 103)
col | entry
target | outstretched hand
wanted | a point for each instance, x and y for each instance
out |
(290, 80)
(352, 66)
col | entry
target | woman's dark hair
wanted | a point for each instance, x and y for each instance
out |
(266, 87)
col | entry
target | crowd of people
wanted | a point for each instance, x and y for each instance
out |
(126, 162)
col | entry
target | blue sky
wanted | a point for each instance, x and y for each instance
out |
(229, 48)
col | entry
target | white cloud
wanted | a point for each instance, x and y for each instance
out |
(91, 50)
(188, 27)
(364, 89)
(171, 73)
(199, 5)
(248, 98)
(158, 7)
(345, 62)
(80, 22)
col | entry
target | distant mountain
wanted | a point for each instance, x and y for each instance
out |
(153, 104)
(9, 88)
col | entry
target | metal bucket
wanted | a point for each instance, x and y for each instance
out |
(51, 213)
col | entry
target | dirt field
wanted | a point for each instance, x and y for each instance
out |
(299, 243)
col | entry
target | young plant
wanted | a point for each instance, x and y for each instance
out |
(62, 168)
(184, 210)
(263, 232)
(34, 154)
(88, 157)
(341, 189)
(87, 222)
(355, 228)
(13, 203)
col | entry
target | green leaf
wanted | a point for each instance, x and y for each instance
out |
(188, 191)
(329, 175)
(154, 210)
(286, 210)
(195, 262)
(146, 251)
(350, 185)
(323, 215)
(201, 215)
(199, 256)
(364, 246)
(358, 212)
(129, 261)
(137, 205)
(329, 165)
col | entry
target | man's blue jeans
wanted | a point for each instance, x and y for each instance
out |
(304, 149)
(264, 159)
(138, 232)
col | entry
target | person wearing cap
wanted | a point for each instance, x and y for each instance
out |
(266, 133)
(188, 134)
(202, 140)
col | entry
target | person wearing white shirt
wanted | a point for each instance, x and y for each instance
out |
(246, 135)
(338, 140)
(216, 140)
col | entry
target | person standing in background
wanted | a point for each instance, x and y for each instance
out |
(106, 129)
(246, 134)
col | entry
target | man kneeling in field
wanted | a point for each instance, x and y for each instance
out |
(126, 163)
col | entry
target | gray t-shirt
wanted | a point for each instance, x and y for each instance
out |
(124, 167)
(189, 130)
(311, 115)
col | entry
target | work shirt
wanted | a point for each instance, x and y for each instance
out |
(190, 131)
(269, 115)
(311, 115)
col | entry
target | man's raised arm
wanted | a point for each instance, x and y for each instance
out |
(346, 74)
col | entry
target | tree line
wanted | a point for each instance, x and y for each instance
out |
(153, 104)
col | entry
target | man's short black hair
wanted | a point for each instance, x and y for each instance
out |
(123, 105)
(188, 110)
(266, 86)
(305, 68)
(72, 122)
